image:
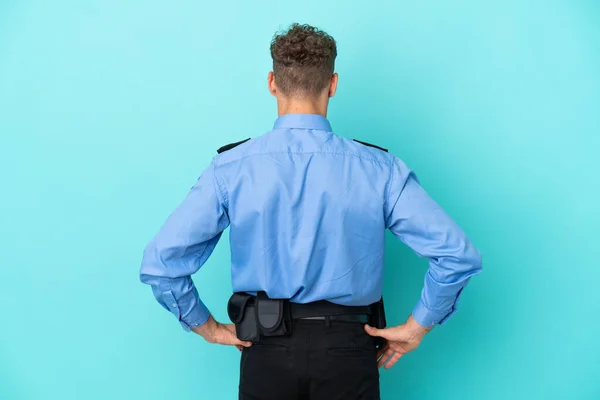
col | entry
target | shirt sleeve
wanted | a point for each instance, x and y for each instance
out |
(182, 246)
(419, 222)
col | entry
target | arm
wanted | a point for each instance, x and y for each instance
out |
(418, 221)
(181, 247)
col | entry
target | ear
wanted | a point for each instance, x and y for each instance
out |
(333, 85)
(271, 84)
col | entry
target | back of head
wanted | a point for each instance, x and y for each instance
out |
(303, 60)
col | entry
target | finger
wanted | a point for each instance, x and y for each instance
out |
(239, 347)
(390, 363)
(376, 332)
(234, 341)
(243, 343)
(381, 351)
(384, 359)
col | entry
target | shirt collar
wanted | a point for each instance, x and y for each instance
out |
(302, 121)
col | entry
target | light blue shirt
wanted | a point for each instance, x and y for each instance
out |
(307, 212)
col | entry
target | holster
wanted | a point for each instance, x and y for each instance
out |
(260, 316)
(378, 320)
(378, 315)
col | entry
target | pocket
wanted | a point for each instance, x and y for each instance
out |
(268, 351)
(272, 344)
(353, 341)
(353, 352)
(271, 347)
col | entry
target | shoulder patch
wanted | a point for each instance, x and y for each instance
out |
(371, 145)
(231, 146)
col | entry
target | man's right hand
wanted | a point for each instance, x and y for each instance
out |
(215, 332)
(400, 340)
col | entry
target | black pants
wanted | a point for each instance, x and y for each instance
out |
(316, 362)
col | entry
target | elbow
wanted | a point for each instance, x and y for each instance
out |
(158, 263)
(467, 261)
(474, 259)
(468, 256)
(146, 278)
(148, 269)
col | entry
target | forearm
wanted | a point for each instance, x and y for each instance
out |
(417, 331)
(207, 330)
(180, 297)
(442, 289)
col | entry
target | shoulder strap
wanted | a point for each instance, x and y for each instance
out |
(371, 145)
(231, 146)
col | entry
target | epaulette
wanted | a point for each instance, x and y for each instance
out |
(231, 146)
(371, 145)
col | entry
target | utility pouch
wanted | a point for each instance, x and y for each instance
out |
(378, 320)
(273, 316)
(378, 314)
(241, 309)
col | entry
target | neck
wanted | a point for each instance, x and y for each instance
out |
(302, 106)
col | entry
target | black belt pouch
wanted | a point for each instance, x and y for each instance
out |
(378, 315)
(273, 316)
(378, 321)
(241, 309)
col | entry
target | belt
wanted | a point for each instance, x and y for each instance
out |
(323, 310)
(358, 318)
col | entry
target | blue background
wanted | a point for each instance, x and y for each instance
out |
(110, 110)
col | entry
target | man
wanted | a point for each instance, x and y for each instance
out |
(307, 212)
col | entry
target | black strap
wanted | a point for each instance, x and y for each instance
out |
(358, 318)
(231, 146)
(371, 145)
(325, 308)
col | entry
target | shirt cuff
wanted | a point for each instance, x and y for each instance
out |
(427, 317)
(196, 317)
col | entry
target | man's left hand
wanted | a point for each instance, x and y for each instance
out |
(400, 340)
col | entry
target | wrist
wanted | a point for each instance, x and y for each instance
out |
(417, 331)
(208, 330)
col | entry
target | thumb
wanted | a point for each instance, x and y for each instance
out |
(244, 344)
(376, 332)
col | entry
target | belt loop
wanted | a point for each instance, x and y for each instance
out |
(328, 321)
